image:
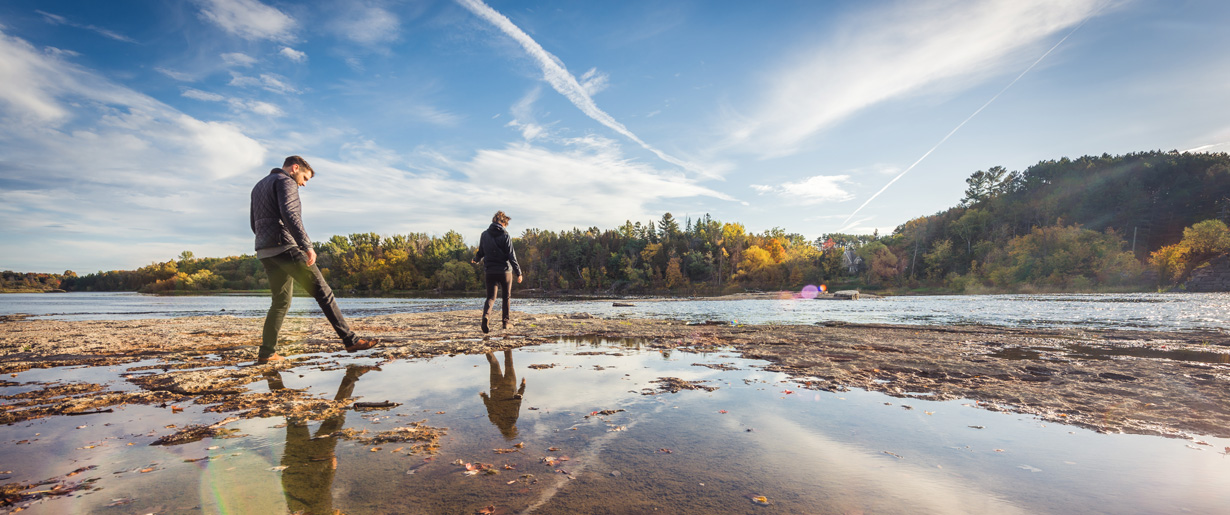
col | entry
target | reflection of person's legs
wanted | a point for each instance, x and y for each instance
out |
(311, 279)
(282, 287)
(310, 460)
(505, 292)
(495, 371)
(509, 374)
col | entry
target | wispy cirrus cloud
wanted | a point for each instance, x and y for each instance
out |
(238, 104)
(558, 76)
(238, 59)
(174, 74)
(249, 19)
(896, 51)
(206, 96)
(267, 81)
(56, 19)
(367, 24)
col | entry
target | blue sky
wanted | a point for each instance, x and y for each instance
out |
(131, 131)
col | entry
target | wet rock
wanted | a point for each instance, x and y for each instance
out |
(676, 385)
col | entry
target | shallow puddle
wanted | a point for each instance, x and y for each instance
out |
(591, 427)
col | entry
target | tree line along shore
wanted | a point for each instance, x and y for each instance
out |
(1134, 222)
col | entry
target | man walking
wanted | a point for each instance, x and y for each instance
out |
(285, 250)
(500, 263)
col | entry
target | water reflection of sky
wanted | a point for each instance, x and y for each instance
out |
(806, 451)
(1153, 311)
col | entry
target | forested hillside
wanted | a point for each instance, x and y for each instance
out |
(1092, 223)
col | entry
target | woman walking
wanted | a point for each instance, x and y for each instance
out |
(495, 250)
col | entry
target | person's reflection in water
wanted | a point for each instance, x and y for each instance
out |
(307, 480)
(504, 402)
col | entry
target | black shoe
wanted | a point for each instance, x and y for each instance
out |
(486, 329)
(507, 324)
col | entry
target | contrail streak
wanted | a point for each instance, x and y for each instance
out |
(963, 122)
(565, 83)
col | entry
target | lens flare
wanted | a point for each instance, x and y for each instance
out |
(809, 292)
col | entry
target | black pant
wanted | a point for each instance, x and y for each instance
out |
(284, 270)
(504, 282)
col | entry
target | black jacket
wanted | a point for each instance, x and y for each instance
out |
(275, 213)
(496, 250)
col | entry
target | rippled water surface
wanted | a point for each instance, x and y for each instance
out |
(1152, 311)
(757, 438)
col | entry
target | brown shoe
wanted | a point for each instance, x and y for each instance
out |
(272, 357)
(361, 344)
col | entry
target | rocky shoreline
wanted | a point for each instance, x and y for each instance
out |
(1170, 384)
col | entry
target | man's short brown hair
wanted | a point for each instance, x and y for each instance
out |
(296, 160)
(500, 218)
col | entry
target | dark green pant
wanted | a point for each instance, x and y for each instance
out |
(284, 270)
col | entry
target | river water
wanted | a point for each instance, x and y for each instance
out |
(1144, 311)
(757, 443)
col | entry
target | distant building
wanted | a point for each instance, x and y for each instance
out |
(851, 261)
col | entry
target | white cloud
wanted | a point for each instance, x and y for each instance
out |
(594, 81)
(238, 104)
(368, 25)
(206, 96)
(92, 161)
(267, 81)
(566, 84)
(56, 19)
(538, 186)
(523, 116)
(812, 190)
(249, 19)
(179, 76)
(292, 54)
(238, 59)
(897, 51)
(263, 108)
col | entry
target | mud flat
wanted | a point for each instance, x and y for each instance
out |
(1174, 384)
